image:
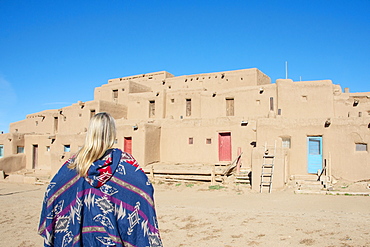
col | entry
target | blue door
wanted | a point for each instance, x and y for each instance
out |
(314, 144)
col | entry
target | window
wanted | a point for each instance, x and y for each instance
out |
(286, 142)
(67, 148)
(314, 147)
(361, 147)
(92, 113)
(208, 141)
(188, 107)
(152, 108)
(191, 140)
(115, 93)
(47, 148)
(229, 106)
(271, 103)
(1, 151)
(20, 149)
(55, 124)
(172, 100)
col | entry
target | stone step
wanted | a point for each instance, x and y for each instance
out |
(311, 186)
(304, 177)
(308, 182)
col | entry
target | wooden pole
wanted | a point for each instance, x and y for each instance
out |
(213, 180)
(152, 173)
(238, 164)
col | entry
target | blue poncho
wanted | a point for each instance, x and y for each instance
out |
(112, 206)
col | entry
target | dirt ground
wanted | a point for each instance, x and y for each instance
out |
(197, 215)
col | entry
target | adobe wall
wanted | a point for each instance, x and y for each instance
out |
(11, 141)
(219, 80)
(346, 162)
(308, 99)
(12, 161)
(138, 106)
(339, 143)
(41, 122)
(176, 103)
(175, 146)
(352, 105)
(145, 140)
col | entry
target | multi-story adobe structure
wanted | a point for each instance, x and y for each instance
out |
(209, 118)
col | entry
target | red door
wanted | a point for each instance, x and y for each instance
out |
(224, 146)
(127, 145)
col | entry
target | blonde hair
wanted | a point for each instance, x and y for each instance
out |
(100, 136)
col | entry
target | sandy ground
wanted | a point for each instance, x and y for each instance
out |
(195, 215)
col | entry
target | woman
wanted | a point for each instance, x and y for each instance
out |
(100, 197)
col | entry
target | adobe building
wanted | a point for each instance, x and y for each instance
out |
(308, 126)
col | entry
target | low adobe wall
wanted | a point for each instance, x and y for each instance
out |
(13, 163)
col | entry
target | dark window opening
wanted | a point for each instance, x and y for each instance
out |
(188, 107)
(191, 140)
(92, 113)
(361, 147)
(152, 108)
(115, 93)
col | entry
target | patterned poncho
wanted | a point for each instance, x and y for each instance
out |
(112, 206)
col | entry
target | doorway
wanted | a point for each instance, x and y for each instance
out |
(224, 146)
(314, 152)
(35, 152)
(127, 145)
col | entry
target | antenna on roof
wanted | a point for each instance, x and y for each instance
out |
(286, 69)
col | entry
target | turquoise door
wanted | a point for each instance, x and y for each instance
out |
(314, 144)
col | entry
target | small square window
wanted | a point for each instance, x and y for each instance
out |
(1, 151)
(208, 141)
(304, 98)
(286, 142)
(172, 100)
(47, 148)
(191, 140)
(67, 148)
(20, 149)
(361, 147)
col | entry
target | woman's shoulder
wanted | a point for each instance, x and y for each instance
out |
(128, 158)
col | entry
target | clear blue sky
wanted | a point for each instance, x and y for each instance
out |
(54, 53)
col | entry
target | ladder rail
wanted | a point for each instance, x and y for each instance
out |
(268, 168)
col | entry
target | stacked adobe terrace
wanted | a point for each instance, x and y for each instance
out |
(208, 119)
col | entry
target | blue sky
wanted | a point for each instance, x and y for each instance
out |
(54, 53)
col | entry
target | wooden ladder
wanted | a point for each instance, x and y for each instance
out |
(267, 167)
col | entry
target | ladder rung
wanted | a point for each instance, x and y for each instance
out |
(268, 156)
(265, 182)
(267, 165)
(267, 173)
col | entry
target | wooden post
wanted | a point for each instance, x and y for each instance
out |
(152, 173)
(238, 164)
(213, 180)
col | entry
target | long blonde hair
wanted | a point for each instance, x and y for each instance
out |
(100, 136)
